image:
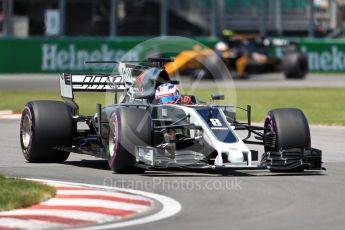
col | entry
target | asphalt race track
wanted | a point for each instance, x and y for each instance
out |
(233, 200)
(274, 80)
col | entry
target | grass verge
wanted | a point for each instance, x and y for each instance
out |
(321, 105)
(18, 193)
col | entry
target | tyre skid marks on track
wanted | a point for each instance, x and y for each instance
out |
(72, 208)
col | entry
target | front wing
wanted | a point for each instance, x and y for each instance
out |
(284, 160)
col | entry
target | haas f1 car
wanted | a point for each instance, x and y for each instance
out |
(136, 133)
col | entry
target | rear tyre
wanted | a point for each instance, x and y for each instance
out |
(129, 127)
(45, 125)
(289, 129)
(295, 66)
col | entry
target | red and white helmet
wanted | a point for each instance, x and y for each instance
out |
(167, 94)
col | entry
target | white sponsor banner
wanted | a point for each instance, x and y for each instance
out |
(72, 58)
(330, 60)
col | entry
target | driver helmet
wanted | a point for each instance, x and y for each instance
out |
(167, 94)
(221, 46)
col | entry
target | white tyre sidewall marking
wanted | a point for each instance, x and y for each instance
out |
(170, 207)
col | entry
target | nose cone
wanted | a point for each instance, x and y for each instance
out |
(235, 156)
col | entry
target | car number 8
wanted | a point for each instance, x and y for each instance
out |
(215, 122)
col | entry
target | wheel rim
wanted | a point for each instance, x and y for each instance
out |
(26, 131)
(112, 142)
(269, 124)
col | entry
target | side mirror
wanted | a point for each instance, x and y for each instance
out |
(175, 82)
(215, 97)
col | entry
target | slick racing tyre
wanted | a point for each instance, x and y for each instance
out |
(295, 66)
(288, 129)
(45, 125)
(128, 128)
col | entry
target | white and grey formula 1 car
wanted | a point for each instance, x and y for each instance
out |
(137, 134)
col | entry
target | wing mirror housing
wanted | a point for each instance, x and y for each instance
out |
(217, 97)
(175, 82)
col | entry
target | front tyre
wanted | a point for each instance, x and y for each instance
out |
(287, 129)
(128, 128)
(45, 125)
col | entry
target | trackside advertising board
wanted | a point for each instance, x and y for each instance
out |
(49, 55)
(324, 55)
(40, 55)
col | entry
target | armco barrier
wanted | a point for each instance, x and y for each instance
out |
(44, 55)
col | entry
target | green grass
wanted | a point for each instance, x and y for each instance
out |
(16, 100)
(321, 105)
(18, 193)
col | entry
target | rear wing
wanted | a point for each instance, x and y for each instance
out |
(121, 82)
(70, 83)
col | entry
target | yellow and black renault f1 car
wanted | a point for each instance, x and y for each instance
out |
(244, 55)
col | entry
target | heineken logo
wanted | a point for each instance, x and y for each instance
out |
(57, 57)
(70, 58)
(331, 59)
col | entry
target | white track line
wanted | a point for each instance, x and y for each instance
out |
(170, 207)
(79, 215)
(6, 112)
(11, 116)
(103, 193)
(29, 224)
